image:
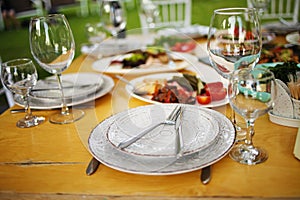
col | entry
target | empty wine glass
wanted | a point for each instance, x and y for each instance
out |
(234, 42)
(260, 5)
(150, 11)
(94, 33)
(52, 46)
(113, 17)
(20, 76)
(251, 94)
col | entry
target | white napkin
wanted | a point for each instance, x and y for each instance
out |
(297, 145)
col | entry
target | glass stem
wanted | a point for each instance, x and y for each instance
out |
(250, 132)
(27, 107)
(64, 108)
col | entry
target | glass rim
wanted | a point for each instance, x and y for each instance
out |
(271, 74)
(234, 10)
(47, 16)
(17, 61)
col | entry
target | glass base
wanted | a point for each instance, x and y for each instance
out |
(248, 155)
(71, 117)
(30, 121)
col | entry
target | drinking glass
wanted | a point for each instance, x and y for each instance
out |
(260, 5)
(234, 42)
(94, 33)
(113, 17)
(52, 46)
(150, 11)
(20, 76)
(251, 94)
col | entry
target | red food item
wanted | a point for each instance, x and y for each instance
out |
(184, 46)
(249, 35)
(216, 91)
(204, 99)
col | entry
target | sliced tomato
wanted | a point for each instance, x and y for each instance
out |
(203, 99)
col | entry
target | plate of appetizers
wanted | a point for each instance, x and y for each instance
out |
(149, 60)
(179, 88)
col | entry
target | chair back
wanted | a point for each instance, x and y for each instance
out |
(27, 8)
(287, 9)
(171, 13)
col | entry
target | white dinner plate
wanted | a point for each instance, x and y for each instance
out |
(75, 85)
(104, 151)
(199, 130)
(168, 76)
(47, 103)
(104, 65)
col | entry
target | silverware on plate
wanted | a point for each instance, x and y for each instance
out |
(64, 87)
(205, 174)
(170, 120)
(92, 166)
(179, 140)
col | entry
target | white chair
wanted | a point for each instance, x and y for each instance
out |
(23, 9)
(171, 13)
(281, 10)
(8, 95)
(57, 5)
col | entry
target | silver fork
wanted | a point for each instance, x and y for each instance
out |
(170, 120)
(179, 140)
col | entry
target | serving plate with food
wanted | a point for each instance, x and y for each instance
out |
(144, 61)
(178, 88)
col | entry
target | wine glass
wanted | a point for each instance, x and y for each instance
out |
(260, 5)
(20, 76)
(113, 17)
(150, 11)
(234, 42)
(251, 94)
(52, 46)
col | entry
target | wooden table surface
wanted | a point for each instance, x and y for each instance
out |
(49, 161)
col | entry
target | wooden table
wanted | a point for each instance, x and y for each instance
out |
(49, 162)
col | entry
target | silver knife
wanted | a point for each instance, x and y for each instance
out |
(64, 87)
(92, 167)
(205, 175)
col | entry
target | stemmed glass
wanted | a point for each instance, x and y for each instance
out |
(251, 94)
(113, 17)
(52, 46)
(20, 76)
(150, 11)
(234, 42)
(260, 5)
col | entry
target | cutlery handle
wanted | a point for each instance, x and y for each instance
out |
(92, 167)
(133, 139)
(179, 142)
(205, 175)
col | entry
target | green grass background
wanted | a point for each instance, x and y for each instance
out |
(15, 43)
